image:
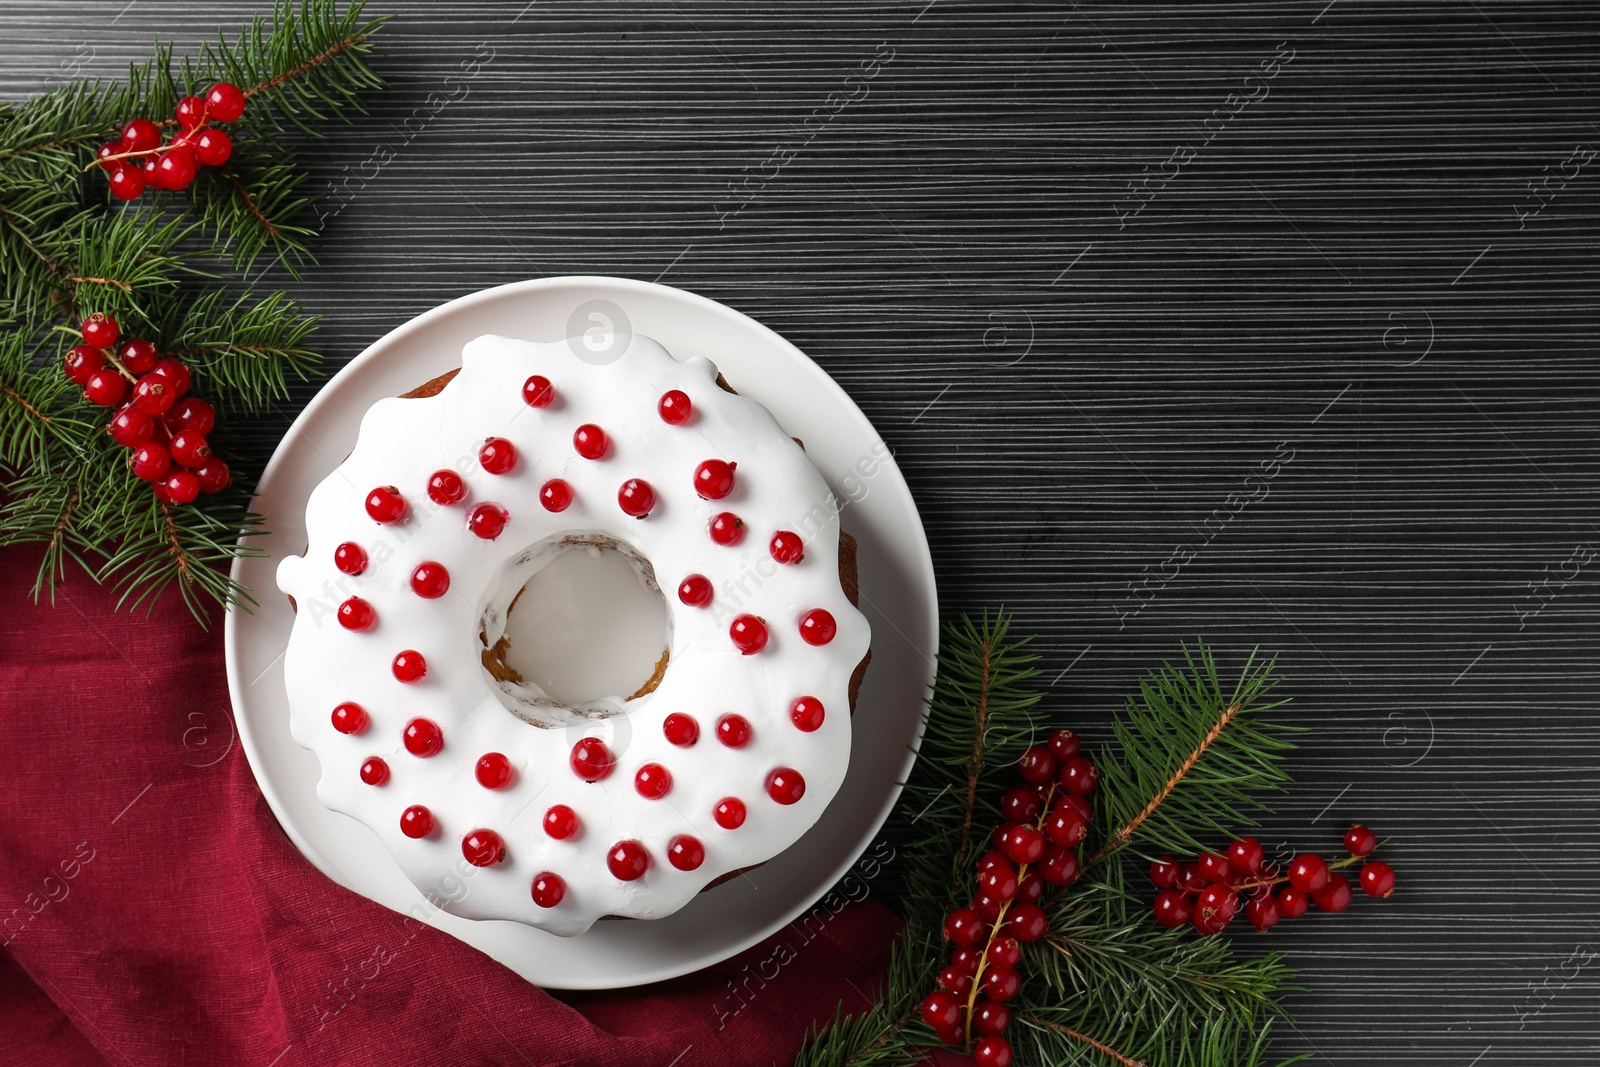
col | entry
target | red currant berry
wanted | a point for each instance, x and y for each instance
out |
(1377, 879)
(992, 1052)
(176, 169)
(966, 959)
(695, 591)
(497, 455)
(1359, 841)
(189, 448)
(1027, 922)
(213, 147)
(153, 394)
(1020, 805)
(592, 759)
(1079, 776)
(422, 737)
(786, 547)
(998, 883)
(1031, 888)
(350, 558)
(652, 781)
(483, 848)
(941, 1010)
(386, 505)
(994, 858)
(151, 172)
(1308, 873)
(191, 413)
(493, 770)
(150, 461)
(729, 813)
(590, 441)
(537, 392)
(1172, 908)
(749, 634)
(1037, 765)
(104, 153)
(964, 927)
(786, 786)
(176, 374)
(1246, 855)
(1191, 879)
(213, 475)
(555, 495)
(127, 181)
(374, 771)
(131, 428)
(416, 821)
(350, 718)
(1060, 866)
(955, 981)
(140, 135)
(560, 822)
(1333, 897)
(988, 907)
(1214, 867)
(190, 112)
(733, 731)
(1063, 744)
(674, 407)
(430, 580)
(990, 1018)
(807, 714)
(1262, 913)
(1164, 872)
(1293, 903)
(487, 520)
(713, 479)
(446, 487)
(680, 729)
(817, 627)
(356, 614)
(100, 331)
(409, 666)
(548, 889)
(82, 361)
(1066, 825)
(628, 860)
(224, 102)
(1216, 901)
(1000, 983)
(1023, 844)
(636, 498)
(685, 853)
(727, 529)
(106, 388)
(1004, 952)
(139, 357)
(181, 487)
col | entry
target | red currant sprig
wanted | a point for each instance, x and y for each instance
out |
(1035, 849)
(1207, 892)
(140, 159)
(164, 429)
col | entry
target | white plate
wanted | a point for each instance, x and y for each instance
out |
(897, 595)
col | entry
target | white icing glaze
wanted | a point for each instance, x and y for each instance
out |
(401, 442)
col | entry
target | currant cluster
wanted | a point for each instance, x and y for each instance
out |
(140, 159)
(150, 413)
(1035, 849)
(1208, 891)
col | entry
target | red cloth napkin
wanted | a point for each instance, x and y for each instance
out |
(152, 911)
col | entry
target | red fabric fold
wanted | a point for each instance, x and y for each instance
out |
(152, 911)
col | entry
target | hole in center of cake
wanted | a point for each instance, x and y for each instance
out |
(586, 632)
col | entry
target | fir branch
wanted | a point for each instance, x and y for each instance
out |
(1084, 1039)
(1191, 759)
(242, 351)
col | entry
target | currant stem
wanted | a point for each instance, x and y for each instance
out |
(1000, 923)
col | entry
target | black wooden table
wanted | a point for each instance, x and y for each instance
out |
(1268, 322)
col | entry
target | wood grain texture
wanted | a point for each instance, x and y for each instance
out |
(1272, 322)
